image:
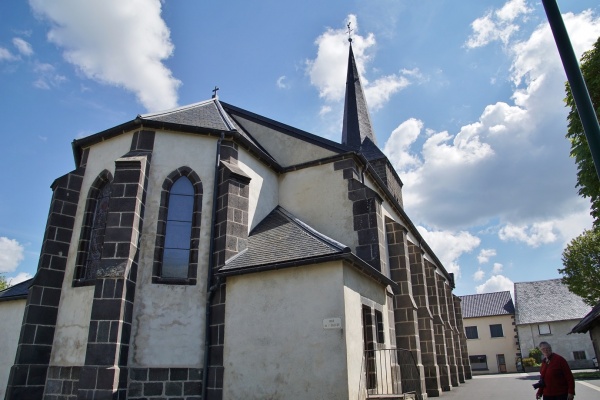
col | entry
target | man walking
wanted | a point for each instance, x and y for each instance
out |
(557, 382)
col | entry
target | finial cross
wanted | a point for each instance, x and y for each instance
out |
(215, 90)
(349, 32)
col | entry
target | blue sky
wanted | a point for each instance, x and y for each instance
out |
(466, 100)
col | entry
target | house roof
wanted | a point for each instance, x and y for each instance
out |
(16, 292)
(547, 301)
(591, 319)
(487, 304)
(281, 240)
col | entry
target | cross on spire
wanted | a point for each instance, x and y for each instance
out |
(349, 32)
(215, 90)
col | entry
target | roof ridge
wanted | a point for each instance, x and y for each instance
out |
(176, 109)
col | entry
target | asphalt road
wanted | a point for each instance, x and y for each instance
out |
(513, 387)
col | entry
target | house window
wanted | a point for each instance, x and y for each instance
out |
(496, 330)
(544, 329)
(379, 326)
(471, 332)
(478, 363)
(579, 355)
(178, 230)
(91, 240)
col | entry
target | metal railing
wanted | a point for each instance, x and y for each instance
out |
(390, 373)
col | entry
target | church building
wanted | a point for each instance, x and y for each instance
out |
(208, 252)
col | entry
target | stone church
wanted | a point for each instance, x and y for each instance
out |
(208, 252)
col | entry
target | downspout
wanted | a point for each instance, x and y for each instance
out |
(210, 287)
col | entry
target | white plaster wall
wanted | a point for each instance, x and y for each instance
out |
(319, 197)
(275, 343)
(489, 346)
(562, 343)
(11, 315)
(264, 188)
(287, 150)
(357, 287)
(73, 320)
(168, 322)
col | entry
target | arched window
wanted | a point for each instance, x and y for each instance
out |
(178, 230)
(176, 254)
(91, 239)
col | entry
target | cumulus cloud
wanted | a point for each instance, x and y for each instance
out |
(22, 46)
(281, 82)
(449, 246)
(6, 55)
(478, 275)
(11, 254)
(485, 254)
(511, 166)
(120, 43)
(327, 71)
(497, 268)
(497, 283)
(498, 24)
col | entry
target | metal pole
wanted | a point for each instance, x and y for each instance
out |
(575, 78)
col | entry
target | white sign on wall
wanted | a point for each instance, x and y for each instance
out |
(332, 323)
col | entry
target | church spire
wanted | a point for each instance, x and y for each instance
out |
(357, 124)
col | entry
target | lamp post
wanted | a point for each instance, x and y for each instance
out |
(581, 95)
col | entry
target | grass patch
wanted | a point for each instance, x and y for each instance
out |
(586, 375)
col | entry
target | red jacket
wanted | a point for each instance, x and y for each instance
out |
(557, 376)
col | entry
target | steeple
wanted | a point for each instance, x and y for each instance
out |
(357, 124)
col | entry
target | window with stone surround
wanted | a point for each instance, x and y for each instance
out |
(544, 329)
(91, 239)
(178, 229)
(379, 326)
(579, 355)
(471, 332)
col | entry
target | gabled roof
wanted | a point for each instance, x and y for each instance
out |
(588, 322)
(357, 123)
(281, 240)
(547, 301)
(16, 292)
(487, 304)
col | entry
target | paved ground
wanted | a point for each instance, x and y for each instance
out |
(513, 387)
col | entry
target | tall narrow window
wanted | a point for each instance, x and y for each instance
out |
(93, 227)
(379, 326)
(178, 229)
(176, 255)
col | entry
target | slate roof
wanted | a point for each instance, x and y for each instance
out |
(487, 304)
(18, 291)
(279, 238)
(588, 322)
(547, 301)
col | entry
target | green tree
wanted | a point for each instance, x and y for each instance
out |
(3, 283)
(581, 258)
(587, 179)
(581, 261)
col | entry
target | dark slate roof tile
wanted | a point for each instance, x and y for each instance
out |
(18, 291)
(589, 321)
(487, 304)
(281, 238)
(547, 301)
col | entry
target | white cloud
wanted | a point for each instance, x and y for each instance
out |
(449, 246)
(511, 166)
(23, 46)
(11, 254)
(281, 82)
(20, 277)
(497, 24)
(478, 275)
(534, 235)
(325, 110)
(121, 43)
(497, 268)
(497, 283)
(485, 254)
(47, 76)
(6, 55)
(327, 71)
